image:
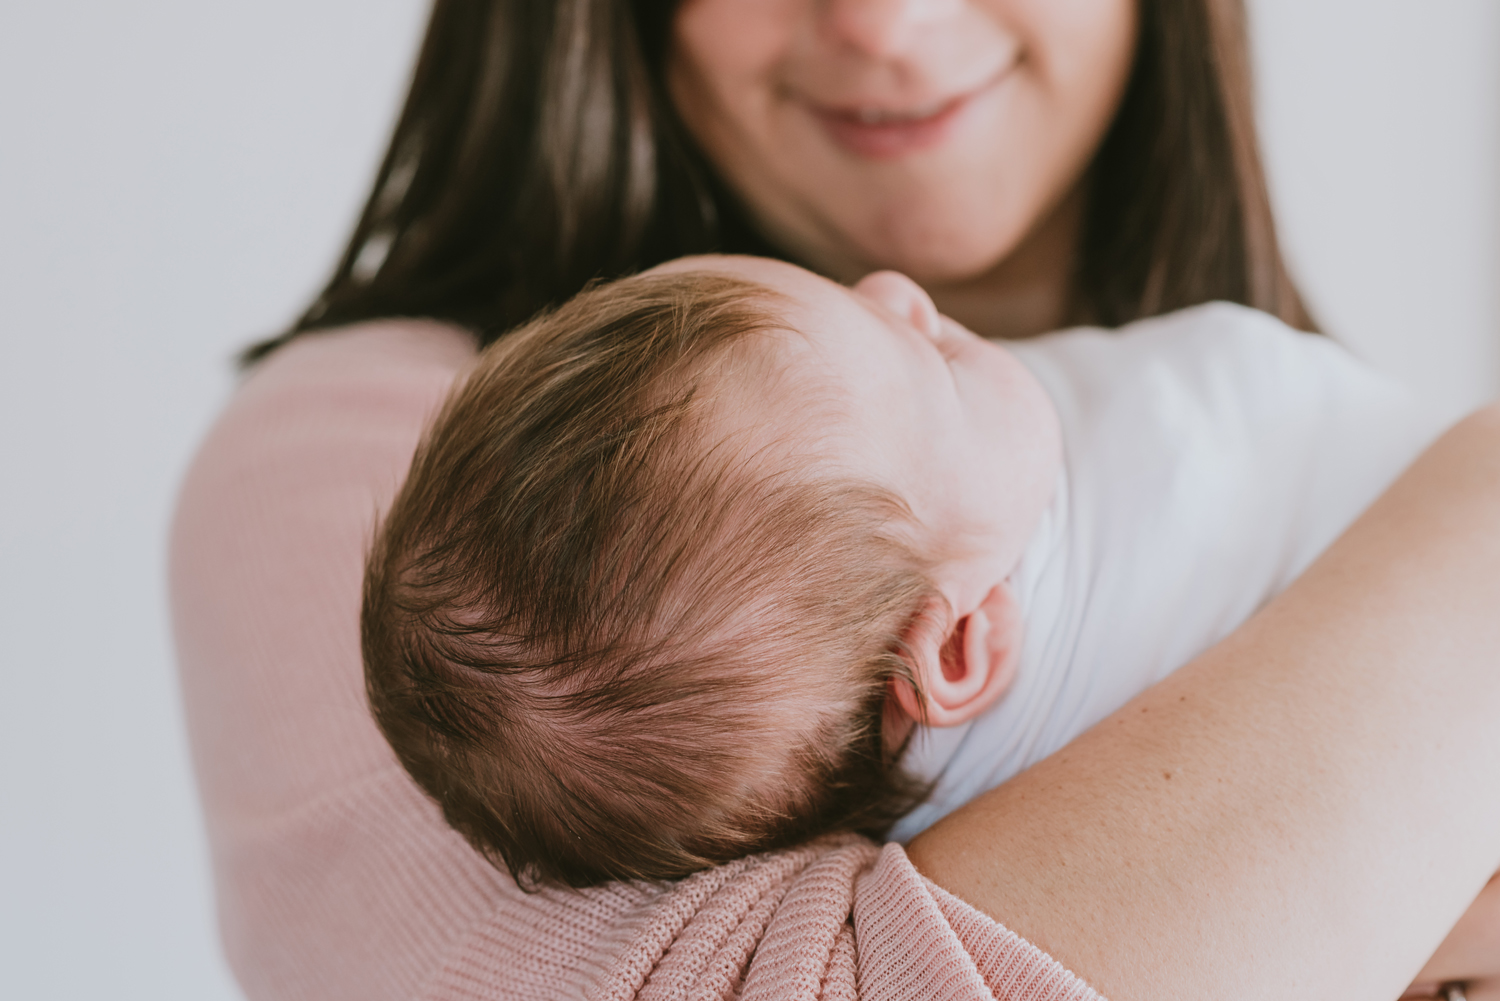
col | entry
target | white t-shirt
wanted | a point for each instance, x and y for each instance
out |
(1209, 457)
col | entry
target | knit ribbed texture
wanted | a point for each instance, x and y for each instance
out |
(338, 879)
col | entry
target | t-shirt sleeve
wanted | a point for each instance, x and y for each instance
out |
(1325, 434)
(337, 878)
(1246, 445)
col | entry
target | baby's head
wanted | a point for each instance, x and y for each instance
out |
(680, 563)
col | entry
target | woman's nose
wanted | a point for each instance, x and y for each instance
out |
(882, 27)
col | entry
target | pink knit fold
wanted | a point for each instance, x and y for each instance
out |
(796, 954)
(338, 879)
(919, 942)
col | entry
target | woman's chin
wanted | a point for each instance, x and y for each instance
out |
(940, 260)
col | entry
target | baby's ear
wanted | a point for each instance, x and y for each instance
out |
(963, 673)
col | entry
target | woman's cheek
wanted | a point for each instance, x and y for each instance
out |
(724, 54)
(721, 76)
(1081, 52)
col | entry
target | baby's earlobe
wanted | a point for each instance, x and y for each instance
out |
(965, 672)
(906, 699)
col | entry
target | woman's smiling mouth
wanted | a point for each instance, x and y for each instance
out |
(883, 132)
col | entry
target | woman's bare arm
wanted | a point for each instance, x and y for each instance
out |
(1302, 812)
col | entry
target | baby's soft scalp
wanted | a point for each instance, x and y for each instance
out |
(611, 644)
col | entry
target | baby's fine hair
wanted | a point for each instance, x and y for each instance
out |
(612, 643)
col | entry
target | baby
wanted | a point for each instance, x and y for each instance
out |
(723, 556)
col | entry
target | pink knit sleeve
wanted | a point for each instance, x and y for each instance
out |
(337, 878)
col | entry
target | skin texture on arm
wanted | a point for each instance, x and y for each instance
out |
(1305, 810)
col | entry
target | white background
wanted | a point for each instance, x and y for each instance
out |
(175, 179)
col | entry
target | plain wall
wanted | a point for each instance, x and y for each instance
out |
(1381, 128)
(175, 179)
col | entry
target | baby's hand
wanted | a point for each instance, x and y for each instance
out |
(1470, 953)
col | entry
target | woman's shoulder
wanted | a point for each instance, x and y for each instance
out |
(278, 504)
(309, 816)
(342, 408)
(397, 363)
(372, 346)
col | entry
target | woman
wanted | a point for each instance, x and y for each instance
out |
(1033, 164)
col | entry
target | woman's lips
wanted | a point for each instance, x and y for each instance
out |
(882, 134)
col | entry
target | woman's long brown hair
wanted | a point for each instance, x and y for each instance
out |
(537, 150)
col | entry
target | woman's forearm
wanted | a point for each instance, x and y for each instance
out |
(1303, 811)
